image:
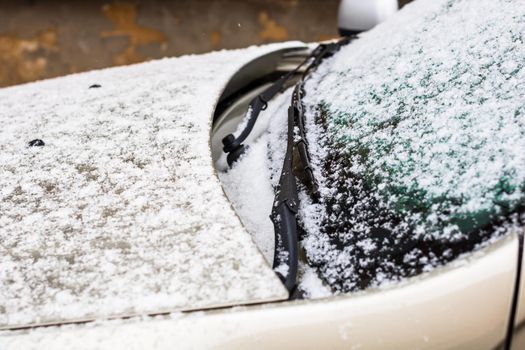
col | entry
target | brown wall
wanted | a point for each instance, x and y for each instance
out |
(42, 39)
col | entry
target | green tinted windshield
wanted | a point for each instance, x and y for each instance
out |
(419, 128)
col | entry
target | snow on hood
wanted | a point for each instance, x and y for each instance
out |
(121, 212)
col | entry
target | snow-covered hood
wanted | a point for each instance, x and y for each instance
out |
(121, 212)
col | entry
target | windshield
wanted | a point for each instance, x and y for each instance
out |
(414, 139)
(418, 142)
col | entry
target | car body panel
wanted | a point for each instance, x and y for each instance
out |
(121, 212)
(464, 305)
(461, 306)
(518, 341)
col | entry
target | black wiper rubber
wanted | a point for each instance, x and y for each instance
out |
(284, 211)
(286, 202)
(233, 146)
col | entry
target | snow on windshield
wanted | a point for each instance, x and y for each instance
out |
(417, 132)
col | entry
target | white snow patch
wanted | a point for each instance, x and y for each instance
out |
(121, 212)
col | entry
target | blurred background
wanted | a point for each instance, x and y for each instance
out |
(49, 38)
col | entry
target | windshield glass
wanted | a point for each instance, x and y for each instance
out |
(417, 140)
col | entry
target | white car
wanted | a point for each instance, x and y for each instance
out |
(116, 231)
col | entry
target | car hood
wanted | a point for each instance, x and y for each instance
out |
(121, 213)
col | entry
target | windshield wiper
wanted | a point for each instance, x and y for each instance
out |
(285, 207)
(233, 146)
(286, 201)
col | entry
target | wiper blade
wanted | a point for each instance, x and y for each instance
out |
(284, 211)
(286, 202)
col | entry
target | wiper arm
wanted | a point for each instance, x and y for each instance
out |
(284, 211)
(286, 202)
(233, 146)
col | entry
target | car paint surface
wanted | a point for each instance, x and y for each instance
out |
(462, 306)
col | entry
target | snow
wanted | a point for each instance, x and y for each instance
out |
(423, 139)
(114, 146)
(283, 269)
(249, 184)
(311, 285)
(422, 136)
(121, 212)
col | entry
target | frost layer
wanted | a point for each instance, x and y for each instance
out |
(417, 131)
